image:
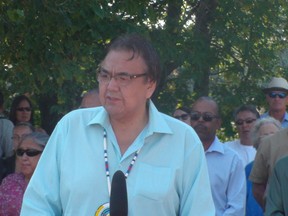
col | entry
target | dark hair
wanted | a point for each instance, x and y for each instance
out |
(15, 103)
(184, 108)
(249, 108)
(139, 46)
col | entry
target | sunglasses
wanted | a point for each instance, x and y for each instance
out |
(275, 94)
(28, 152)
(247, 121)
(22, 109)
(206, 116)
(182, 117)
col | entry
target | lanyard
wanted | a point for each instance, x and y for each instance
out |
(107, 163)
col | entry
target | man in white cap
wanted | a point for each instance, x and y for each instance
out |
(273, 147)
(276, 96)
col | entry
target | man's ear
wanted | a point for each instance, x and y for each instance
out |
(150, 88)
(219, 123)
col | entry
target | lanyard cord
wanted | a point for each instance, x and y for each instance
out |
(107, 163)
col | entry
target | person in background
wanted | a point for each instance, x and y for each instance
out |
(162, 158)
(276, 97)
(226, 172)
(21, 110)
(6, 146)
(277, 196)
(262, 128)
(90, 99)
(183, 114)
(20, 130)
(244, 118)
(270, 150)
(13, 186)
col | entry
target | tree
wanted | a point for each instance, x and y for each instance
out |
(224, 49)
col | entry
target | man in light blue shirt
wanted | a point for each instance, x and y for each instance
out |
(226, 172)
(162, 158)
(276, 96)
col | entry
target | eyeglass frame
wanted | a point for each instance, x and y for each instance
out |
(22, 109)
(183, 116)
(29, 152)
(204, 116)
(240, 122)
(117, 77)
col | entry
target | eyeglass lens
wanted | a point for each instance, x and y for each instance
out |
(275, 94)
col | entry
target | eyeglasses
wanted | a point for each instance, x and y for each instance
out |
(28, 152)
(121, 78)
(182, 117)
(275, 94)
(206, 116)
(22, 109)
(247, 121)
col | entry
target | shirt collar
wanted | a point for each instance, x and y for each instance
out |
(266, 114)
(156, 123)
(216, 146)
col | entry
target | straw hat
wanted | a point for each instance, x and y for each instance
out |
(276, 84)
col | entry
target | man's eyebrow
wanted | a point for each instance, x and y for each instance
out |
(102, 69)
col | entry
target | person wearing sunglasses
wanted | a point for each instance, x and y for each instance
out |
(245, 117)
(226, 172)
(21, 110)
(14, 185)
(183, 114)
(276, 97)
(162, 159)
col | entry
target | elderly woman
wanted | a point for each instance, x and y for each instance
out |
(14, 185)
(263, 127)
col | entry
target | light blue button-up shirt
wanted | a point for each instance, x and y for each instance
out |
(228, 181)
(169, 177)
(284, 122)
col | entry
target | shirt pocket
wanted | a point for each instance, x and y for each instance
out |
(153, 182)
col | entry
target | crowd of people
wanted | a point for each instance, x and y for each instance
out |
(21, 144)
(261, 147)
(170, 168)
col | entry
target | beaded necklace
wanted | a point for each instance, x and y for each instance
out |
(107, 163)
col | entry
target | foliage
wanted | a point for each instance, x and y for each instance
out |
(225, 49)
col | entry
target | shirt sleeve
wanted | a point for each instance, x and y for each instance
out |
(259, 172)
(197, 197)
(236, 190)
